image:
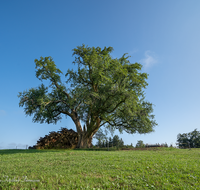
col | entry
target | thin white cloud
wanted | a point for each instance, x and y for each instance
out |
(149, 60)
(2, 112)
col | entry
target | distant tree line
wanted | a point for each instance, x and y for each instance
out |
(140, 144)
(104, 141)
(189, 140)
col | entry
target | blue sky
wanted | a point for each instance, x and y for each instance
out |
(164, 36)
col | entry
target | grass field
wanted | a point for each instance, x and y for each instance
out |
(162, 168)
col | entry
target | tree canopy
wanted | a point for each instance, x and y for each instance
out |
(189, 140)
(104, 91)
(140, 144)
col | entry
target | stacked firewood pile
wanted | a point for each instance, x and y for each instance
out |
(58, 140)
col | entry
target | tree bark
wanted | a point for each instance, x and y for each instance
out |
(77, 122)
(84, 141)
(84, 135)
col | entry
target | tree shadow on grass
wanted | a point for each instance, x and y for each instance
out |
(96, 149)
(16, 151)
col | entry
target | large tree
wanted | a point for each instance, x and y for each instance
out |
(104, 92)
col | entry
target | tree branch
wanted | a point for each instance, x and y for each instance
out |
(116, 106)
(56, 84)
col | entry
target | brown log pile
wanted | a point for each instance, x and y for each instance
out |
(58, 140)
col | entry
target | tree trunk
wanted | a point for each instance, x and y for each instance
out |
(84, 136)
(84, 141)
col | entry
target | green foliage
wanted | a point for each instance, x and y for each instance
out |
(103, 141)
(164, 145)
(131, 145)
(100, 136)
(110, 142)
(189, 140)
(117, 141)
(140, 144)
(104, 92)
(46, 107)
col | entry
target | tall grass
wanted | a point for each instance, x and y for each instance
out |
(161, 168)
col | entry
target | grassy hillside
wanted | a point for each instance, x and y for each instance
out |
(162, 168)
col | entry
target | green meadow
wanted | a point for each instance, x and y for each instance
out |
(161, 168)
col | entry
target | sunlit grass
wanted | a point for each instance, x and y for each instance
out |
(71, 169)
